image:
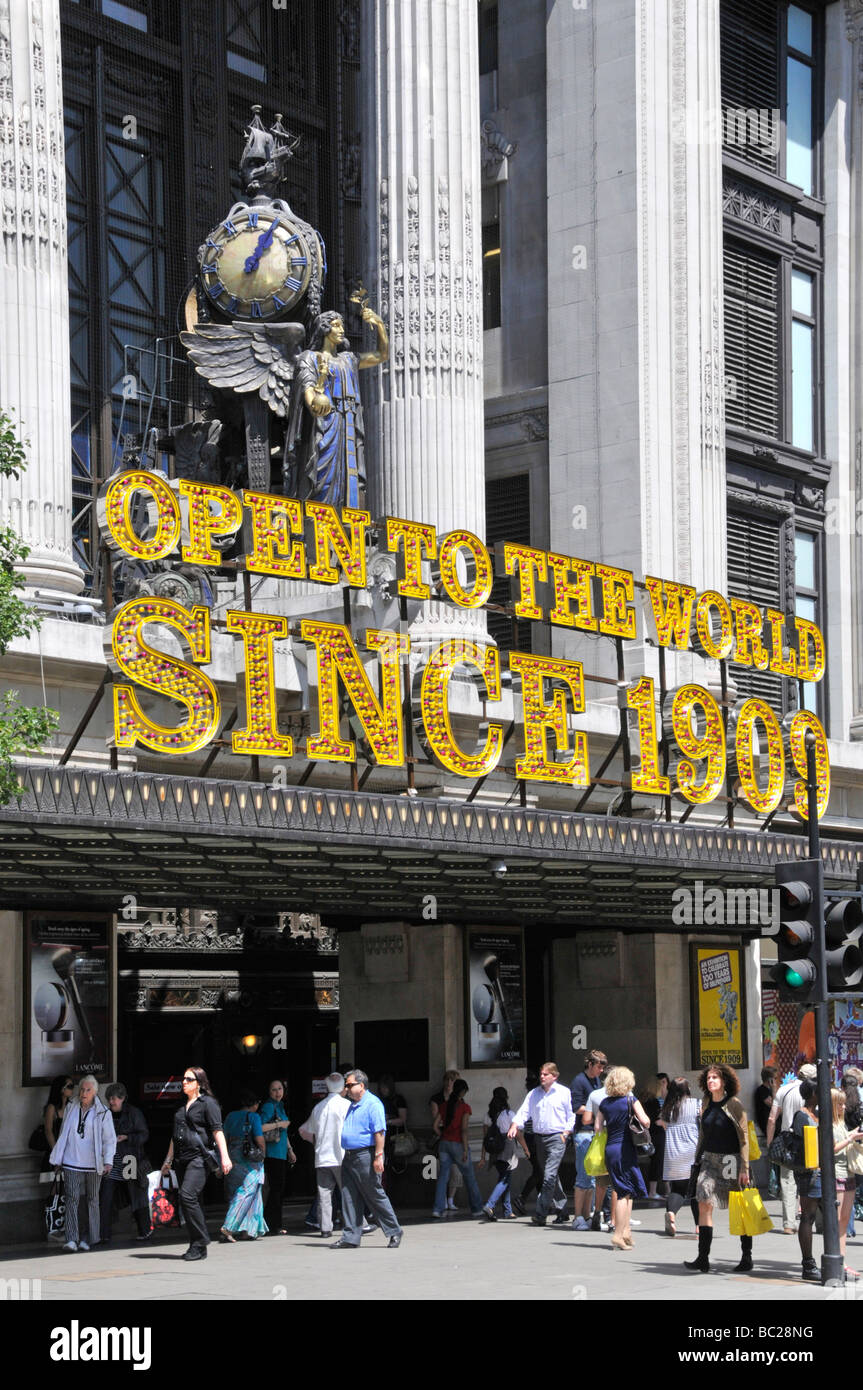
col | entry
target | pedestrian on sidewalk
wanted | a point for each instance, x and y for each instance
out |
(621, 1158)
(604, 1211)
(396, 1111)
(501, 1152)
(435, 1106)
(60, 1095)
(785, 1105)
(85, 1151)
(197, 1148)
(723, 1153)
(454, 1149)
(846, 1182)
(549, 1108)
(244, 1184)
(652, 1099)
(678, 1118)
(807, 1181)
(278, 1154)
(851, 1081)
(363, 1135)
(323, 1129)
(581, 1086)
(762, 1105)
(533, 1182)
(128, 1173)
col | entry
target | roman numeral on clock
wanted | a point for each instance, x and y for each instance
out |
(253, 219)
(257, 311)
(230, 229)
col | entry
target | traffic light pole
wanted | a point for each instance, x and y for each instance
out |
(832, 1264)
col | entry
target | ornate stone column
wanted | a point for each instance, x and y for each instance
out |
(34, 301)
(421, 182)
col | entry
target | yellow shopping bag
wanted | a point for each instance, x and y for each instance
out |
(736, 1220)
(756, 1221)
(810, 1146)
(594, 1159)
(754, 1146)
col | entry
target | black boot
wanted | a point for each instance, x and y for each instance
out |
(705, 1240)
(745, 1255)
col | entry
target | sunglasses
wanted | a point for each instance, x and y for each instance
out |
(189, 1078)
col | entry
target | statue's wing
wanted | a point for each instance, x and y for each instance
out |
(247, 357)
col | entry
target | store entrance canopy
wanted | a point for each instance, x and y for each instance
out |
(84, 838)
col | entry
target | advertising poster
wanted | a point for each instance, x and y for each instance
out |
(67, 1014)
(494, 981)
(718, 1006)
(789, 1034)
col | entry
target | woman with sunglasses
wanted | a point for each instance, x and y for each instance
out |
(197, 1148)
(59, 1096)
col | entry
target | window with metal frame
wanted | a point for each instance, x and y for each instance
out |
(770, 87)
(507, 518)
(756, 572)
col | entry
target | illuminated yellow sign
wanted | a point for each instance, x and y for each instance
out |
(749, 754)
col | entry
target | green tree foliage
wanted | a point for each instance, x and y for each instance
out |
(22, 729)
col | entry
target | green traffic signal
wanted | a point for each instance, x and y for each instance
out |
(796, 972)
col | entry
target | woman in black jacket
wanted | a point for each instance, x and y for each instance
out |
(127, 1173)
(197, 1148)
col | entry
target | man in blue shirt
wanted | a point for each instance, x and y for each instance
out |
(363, 1135)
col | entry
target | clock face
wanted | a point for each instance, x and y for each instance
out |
(257, 265)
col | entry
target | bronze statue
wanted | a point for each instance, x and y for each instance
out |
(324, 455)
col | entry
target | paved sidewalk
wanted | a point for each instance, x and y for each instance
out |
(458, 1259)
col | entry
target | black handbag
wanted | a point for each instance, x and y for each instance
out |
(251, 1152)
(640, 1134)
(787, 1149)
(37, 1141)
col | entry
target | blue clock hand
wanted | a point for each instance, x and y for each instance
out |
(265, 241)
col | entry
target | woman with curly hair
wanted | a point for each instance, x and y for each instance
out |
(621, 1159)
(722, 1156)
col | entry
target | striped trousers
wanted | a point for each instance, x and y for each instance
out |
(78, 1183)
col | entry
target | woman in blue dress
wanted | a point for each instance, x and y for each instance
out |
(621, 1158)
(244, 1184)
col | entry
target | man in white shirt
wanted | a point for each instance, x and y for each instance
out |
(323, 1128)
(786, 1103)
(549, 1108)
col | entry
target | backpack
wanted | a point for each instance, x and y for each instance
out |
(494, 1141)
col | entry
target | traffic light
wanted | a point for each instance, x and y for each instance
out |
(842, 920)
(796, 971)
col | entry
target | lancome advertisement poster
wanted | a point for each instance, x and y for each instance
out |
(67, 1014)
(494, 978)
